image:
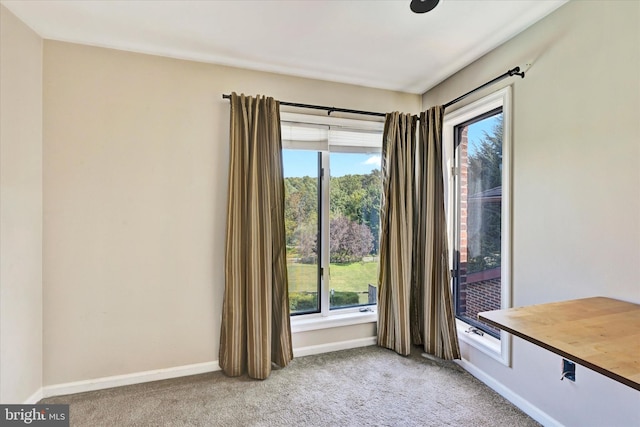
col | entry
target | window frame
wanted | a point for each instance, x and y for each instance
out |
(498, 349)
(327, 318)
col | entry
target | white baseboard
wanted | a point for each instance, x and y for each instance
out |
(524, 405)
(128, 379)
(175, 372)
(34, 398)
(333, 346)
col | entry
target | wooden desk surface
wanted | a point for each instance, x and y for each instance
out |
(599, 333)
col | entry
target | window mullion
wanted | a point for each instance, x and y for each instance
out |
(324, 221)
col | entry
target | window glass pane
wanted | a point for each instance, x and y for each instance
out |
(478, 272)
(301, 219)
(354, 203)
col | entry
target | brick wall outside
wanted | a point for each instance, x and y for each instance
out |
(483, 296)
(462, 177)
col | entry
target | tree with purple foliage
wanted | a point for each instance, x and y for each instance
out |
(349, 241)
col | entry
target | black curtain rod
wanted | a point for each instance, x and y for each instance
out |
(513, 72)
(329, 110)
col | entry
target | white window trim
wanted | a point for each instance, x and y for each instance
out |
(312, 322)
(345, 316)
(499, 350)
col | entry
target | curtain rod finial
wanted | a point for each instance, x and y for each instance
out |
(516, 72)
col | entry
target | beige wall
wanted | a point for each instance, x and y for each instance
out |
(20, 210)
(324, 338)
(576, 213)
(135, 187)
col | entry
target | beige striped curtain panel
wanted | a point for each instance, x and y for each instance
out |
(396, 232)
(414, 303)
(255, 317)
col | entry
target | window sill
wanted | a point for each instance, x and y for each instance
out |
(498, 349)
(314, 322)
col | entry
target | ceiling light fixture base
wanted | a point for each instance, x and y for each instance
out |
(423, 6)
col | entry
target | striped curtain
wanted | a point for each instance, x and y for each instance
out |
(432, 319)
(255, 316)
(396, 232)
(415, 304)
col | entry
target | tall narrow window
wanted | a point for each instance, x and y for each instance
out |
(332, 201)
(477, 279)
(477, 138)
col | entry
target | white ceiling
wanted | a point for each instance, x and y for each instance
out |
(373, 43)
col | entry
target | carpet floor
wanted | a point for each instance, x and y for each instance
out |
(367, 386)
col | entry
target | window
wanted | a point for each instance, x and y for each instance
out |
(478, 193)
(479, 217)
(333, 184)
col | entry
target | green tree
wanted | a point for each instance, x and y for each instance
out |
(484, 216)
(354, 197)
(300, 205)
(357, 197)
(485, 162)
(371, 205)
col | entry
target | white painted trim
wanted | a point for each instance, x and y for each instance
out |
(34, 398)
(498, 350)
(129, 379)
(524, 405)
(334, 346)
(314, 322)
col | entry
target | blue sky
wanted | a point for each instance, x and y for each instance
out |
(305, 163)
(476, 130)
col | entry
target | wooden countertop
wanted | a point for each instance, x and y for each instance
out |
(602, 334)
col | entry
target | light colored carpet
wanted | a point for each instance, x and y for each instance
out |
(367, 386)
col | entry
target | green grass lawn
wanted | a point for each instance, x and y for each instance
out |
(354, 276)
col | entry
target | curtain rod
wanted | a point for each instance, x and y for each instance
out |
(328, 109)
(513, 72)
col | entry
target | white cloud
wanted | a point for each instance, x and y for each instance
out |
(373, 160)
